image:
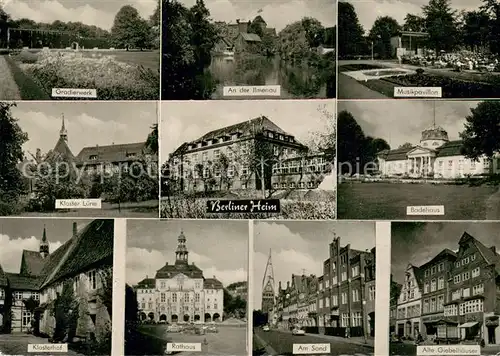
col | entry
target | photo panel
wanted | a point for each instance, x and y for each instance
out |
(186, 287)
(314, 289)
(247, 159)
(85, 159)
(72, 50)
(248, 50)
(444, 288)
(56, 286)
(418, 160)
(418, 49)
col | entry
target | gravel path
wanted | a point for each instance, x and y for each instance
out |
(8, 87)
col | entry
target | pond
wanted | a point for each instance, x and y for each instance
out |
(297, 81)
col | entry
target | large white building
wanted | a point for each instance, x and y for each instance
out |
(434, 156)
(180, 293)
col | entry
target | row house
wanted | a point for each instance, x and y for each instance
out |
(342, 295)
(281, 320)
(409, 304)
(180, 293)
(243, 157)
(395, 292)
(370, 288)
(298, 302)
(436, 274)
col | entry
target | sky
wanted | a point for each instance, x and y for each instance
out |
(17, 235)
(276, 13)
(419, 242)
(87, 123)
(193, 119)
(299, 247)
(219, 248)
(369, 10)
(401, 121)
(99, 13)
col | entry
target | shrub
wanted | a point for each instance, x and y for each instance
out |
(27, 57)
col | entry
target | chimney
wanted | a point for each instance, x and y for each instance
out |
(279, 285)
(75, 229)
(287, 284)
(494, 249)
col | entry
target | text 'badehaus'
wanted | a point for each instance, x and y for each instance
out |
(452, 298)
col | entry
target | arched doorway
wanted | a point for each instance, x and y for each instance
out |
(186, 318)
(208, 318)
(197, 317)
(175, 318)
(75, 46)
(151, 316)
(216, 317)
(163, 317)
(142, 317)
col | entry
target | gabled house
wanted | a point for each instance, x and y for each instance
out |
(409, 305)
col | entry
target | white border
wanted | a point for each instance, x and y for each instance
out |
(250, 278)
(119, 260)
(382, 285)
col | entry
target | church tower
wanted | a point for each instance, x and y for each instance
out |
(44, 245)
(63, 134)
(181, 254)
(268, 293)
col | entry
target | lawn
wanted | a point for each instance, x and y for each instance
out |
(389, 201)
(145, 209)
(147, 59)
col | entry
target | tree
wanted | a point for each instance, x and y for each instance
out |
(130, 30)
(12, 139)
(406, 145)
(383, 29)
(350, 32)
(188, 37)
(475, 29)
(5, 23)
(297, 38)
(106, 290)
(482, 131)
(152, 140)
(65, 312)
(31, 305)
(492, 8)
(441, 25)
(414, 23)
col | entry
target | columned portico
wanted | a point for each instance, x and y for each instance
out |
(421, 161)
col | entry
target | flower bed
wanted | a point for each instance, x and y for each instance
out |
(290, 209)
(114, 80)
(451, 88)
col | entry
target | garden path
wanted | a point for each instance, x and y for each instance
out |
(8, 87)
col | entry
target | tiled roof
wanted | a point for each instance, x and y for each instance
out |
(170, 271)
(419, 276)
(112, 153)
(446, 252)
(19, 282)
(92, 247)
(250, 37)
(146, 283)
(395, 155)
(212, 283)
(54, 259)
(488, 254)
(451, 148)
(3, 278)
(61, 150)
(32, 263)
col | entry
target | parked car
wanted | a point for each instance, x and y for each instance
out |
(173, 328)
(298, 331)
(212, 329)
(265, 328)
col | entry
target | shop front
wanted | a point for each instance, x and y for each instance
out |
(429, 324)
(492, 336)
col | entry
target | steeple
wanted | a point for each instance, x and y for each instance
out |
(63, 133)
(44, 244)
(181, 254)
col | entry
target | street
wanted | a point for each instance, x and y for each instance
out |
(228, 341)
(17, 344)
(282, 343)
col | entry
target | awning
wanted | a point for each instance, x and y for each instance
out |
(467, 325)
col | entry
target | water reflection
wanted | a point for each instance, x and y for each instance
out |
(297, 81)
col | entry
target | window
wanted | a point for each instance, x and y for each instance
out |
(327, 302)
(451, 310)
(473, 257)
(433, 270)
(334, 280)
(344, 298)
(371, 293)
(18, 295)
(321, 303)
(466, 276)
(433, 305)
(150, 305)
(355, 271)
(440, 283)
(471, 306)
(355, 295)
(335, 300)
(457, 264)
(26, 318)
(197, 297)
(466, 292)
(186, 297)
(91, 277)
(456, 294)
(426, 288)
(174, 297)
(426, 273)
(162, 297)
(433, 285)
(162, 284)
(343, 276)
(344, 322)
(143, 305)
(2, 293)
(426, 306)
(456, 279)
(35, 295)
(215, 305)
(440, 303)
(357, 319)
(441, 267)
(478, 289)
(216, 154)
(476, 272)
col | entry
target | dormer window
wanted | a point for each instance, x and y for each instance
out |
(270, 134)
(130, 155)
(199, 144)
(93, 157)
(282, 137)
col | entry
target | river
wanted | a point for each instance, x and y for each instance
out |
(296, 81)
